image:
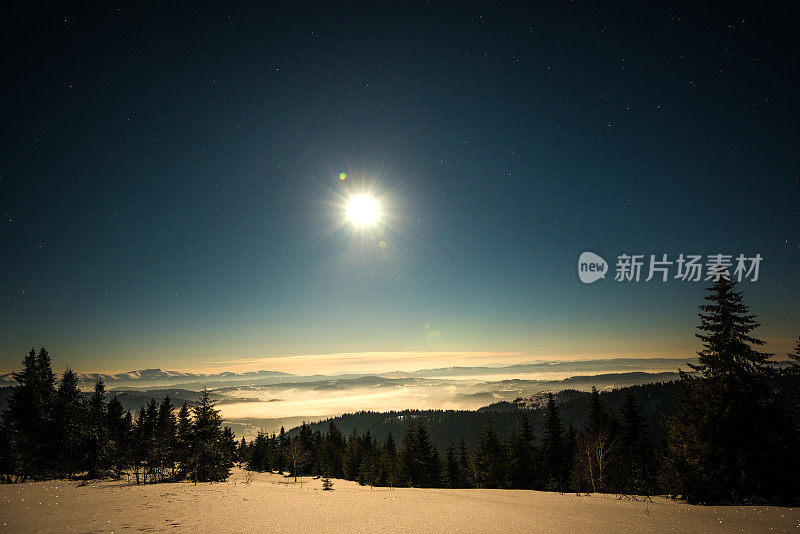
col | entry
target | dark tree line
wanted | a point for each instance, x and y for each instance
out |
(658, 401)
(626, 461)
(50, 430)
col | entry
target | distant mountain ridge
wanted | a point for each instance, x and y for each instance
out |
(158, 376)
(163, 378)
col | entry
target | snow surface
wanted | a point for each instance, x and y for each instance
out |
(268, 504)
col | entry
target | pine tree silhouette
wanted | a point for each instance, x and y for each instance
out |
(69, 426)
(637, 455)
(553, 449)
(489, 458)
(717, 439)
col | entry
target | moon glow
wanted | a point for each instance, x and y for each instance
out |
(363, 210)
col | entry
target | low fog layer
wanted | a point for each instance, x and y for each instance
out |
(325, 398)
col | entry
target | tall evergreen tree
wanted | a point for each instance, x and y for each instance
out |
(152, 459)
(138, 450)
(722, 438)
(279, 459)
(553, 449)
(184, 439)
(428, 459)
(725, 326)
(70, 426)
(522, 470)
(408, 457)
(28, 417)
(391, 447)
(333, 449)
(118, 423)
(259, 456)
(389, 460)
(228, 444)
(453, 470)
(351, 460)
(207, 460)
(242, 456)
(467, 478)
(97, 438)
(636, 450)
(166, 439)
(306, 437)
(489, 458)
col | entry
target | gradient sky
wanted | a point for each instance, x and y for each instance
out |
(170, 192)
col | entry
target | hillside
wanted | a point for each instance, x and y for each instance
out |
(658, 401)
(269, 503)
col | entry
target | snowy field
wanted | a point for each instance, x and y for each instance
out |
(268, 504)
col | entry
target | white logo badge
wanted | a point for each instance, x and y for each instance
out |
(591, 267)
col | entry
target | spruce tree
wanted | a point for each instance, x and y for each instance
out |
(351, 461)
(118, 423)
(138, 449)
(389, 460)
(428, 460)
(467, 480)
(259, 456)
(391, 447)
(166, 439)
(333, 450)
(70, 426)
(636, 451)
(489, 458)
(306, 437)
(725, 326)
(522, 471)
(29, 416)
(408, 462)
(280, 454)
(97, 438)
(721, 437)
(207, 460)
(553, 447)
(242, 456)
(228, 443)
(453, 469)
(369, 471)
(152, 459)
(184, 439)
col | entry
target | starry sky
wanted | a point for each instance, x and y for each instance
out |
(170, 191)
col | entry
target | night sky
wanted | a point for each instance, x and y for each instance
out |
(170, 193)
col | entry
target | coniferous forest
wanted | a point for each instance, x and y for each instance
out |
(49, 430)
(733, 436)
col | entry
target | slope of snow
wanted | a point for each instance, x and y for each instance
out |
(267, 504)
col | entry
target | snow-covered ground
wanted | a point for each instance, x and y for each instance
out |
(268, 504)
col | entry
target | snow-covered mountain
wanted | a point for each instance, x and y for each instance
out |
(147, 377)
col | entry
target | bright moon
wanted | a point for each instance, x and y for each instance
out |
(363, 210)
